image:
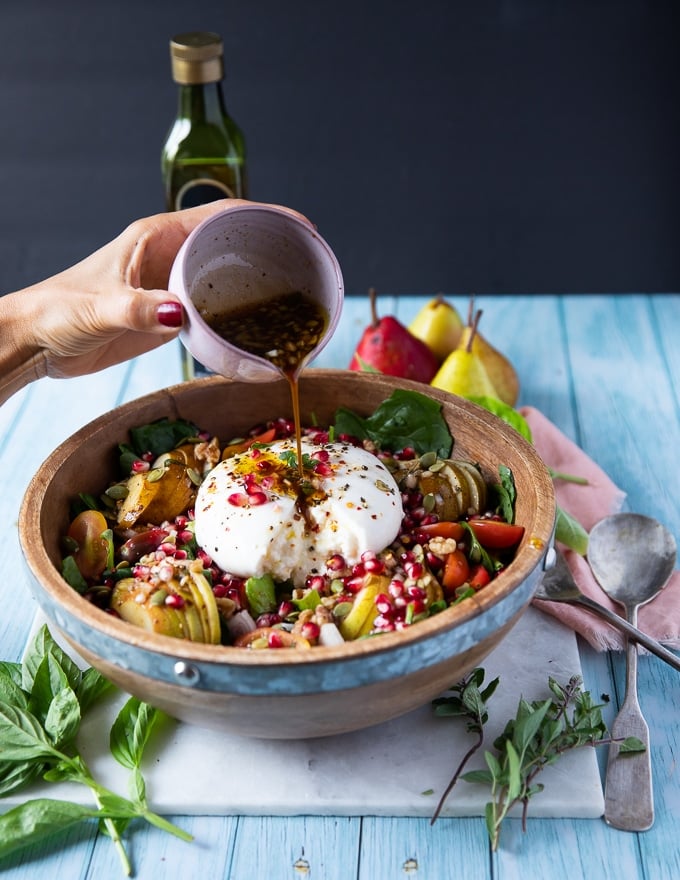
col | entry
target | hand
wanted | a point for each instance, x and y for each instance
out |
(112, 306)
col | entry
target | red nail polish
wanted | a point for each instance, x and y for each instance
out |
(169, 314)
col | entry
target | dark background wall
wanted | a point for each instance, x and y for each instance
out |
(509, 146)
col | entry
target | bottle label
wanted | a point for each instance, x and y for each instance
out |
(200, 191)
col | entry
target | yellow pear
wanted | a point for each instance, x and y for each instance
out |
(439, 326)
(499, 369)
(463, 372)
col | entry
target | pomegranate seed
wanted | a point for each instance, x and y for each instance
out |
(336, 563)
(321, 455)
(238, 499)
(220, 591)
(141, 571)
(434, 562)
(358, 570)
(414, 570)
(255, 453)
(310, 631)
(271, 618)
(174, 601)
(257, 498)
(396, 588)
(185, 536)
(323, 469)
(383, 603)
(274, 640)
(417, 593)
(286, 609)
(181, 521)
(167, 548)
(180, 554)
(315, 582)
(354, 584)
(375, 566)
(205, 558)
(140, 467)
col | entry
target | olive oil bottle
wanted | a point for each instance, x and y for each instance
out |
(204, 156)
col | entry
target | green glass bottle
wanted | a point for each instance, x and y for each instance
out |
(204, 156)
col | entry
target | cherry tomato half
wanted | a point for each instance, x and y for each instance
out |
(93, 550)
(479, 577)
(494, 534)
(456, 571)
(235, 448)
(443, 529)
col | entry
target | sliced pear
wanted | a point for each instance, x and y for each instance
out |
(155, 618)
(359, 621)
(159, 494)
(204, 600)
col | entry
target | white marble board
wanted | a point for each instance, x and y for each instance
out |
(399, 768)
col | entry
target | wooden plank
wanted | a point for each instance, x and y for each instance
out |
(296, 847)
(451, 848)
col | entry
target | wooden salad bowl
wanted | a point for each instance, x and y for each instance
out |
(284, 694)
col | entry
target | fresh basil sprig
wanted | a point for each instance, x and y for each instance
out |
(42, 703)
(536, 737)
(405, 419)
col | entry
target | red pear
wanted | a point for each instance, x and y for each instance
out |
(387, 346)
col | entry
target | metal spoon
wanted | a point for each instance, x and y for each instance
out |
(558, 585)
(632, 557)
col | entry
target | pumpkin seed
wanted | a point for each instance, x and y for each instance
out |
(117, 492)
(428, 459)
(194, 476)
(155, 474)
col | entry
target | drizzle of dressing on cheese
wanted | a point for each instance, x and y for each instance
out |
(256, 514)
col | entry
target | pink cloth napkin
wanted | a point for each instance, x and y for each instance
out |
(660, 618)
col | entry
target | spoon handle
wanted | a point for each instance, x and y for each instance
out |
(628, 795)
(633, 633)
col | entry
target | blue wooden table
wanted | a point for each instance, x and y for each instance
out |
(606, 370)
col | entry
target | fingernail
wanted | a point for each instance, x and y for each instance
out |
(169, 314)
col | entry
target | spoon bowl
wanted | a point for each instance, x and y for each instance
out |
(632, 557)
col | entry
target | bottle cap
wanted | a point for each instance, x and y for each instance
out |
(196, 58)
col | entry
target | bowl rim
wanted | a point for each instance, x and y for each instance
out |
(50, 581)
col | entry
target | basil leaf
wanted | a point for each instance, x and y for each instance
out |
(160, 436)
(37, 819)
(17, 774)
(406, 418)
(22, 735)
(63, 717)
(92, 686)
(71, 574)
(130, 732)
(42, 645)
(507, 413)
(570, 532)
(10, 685)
